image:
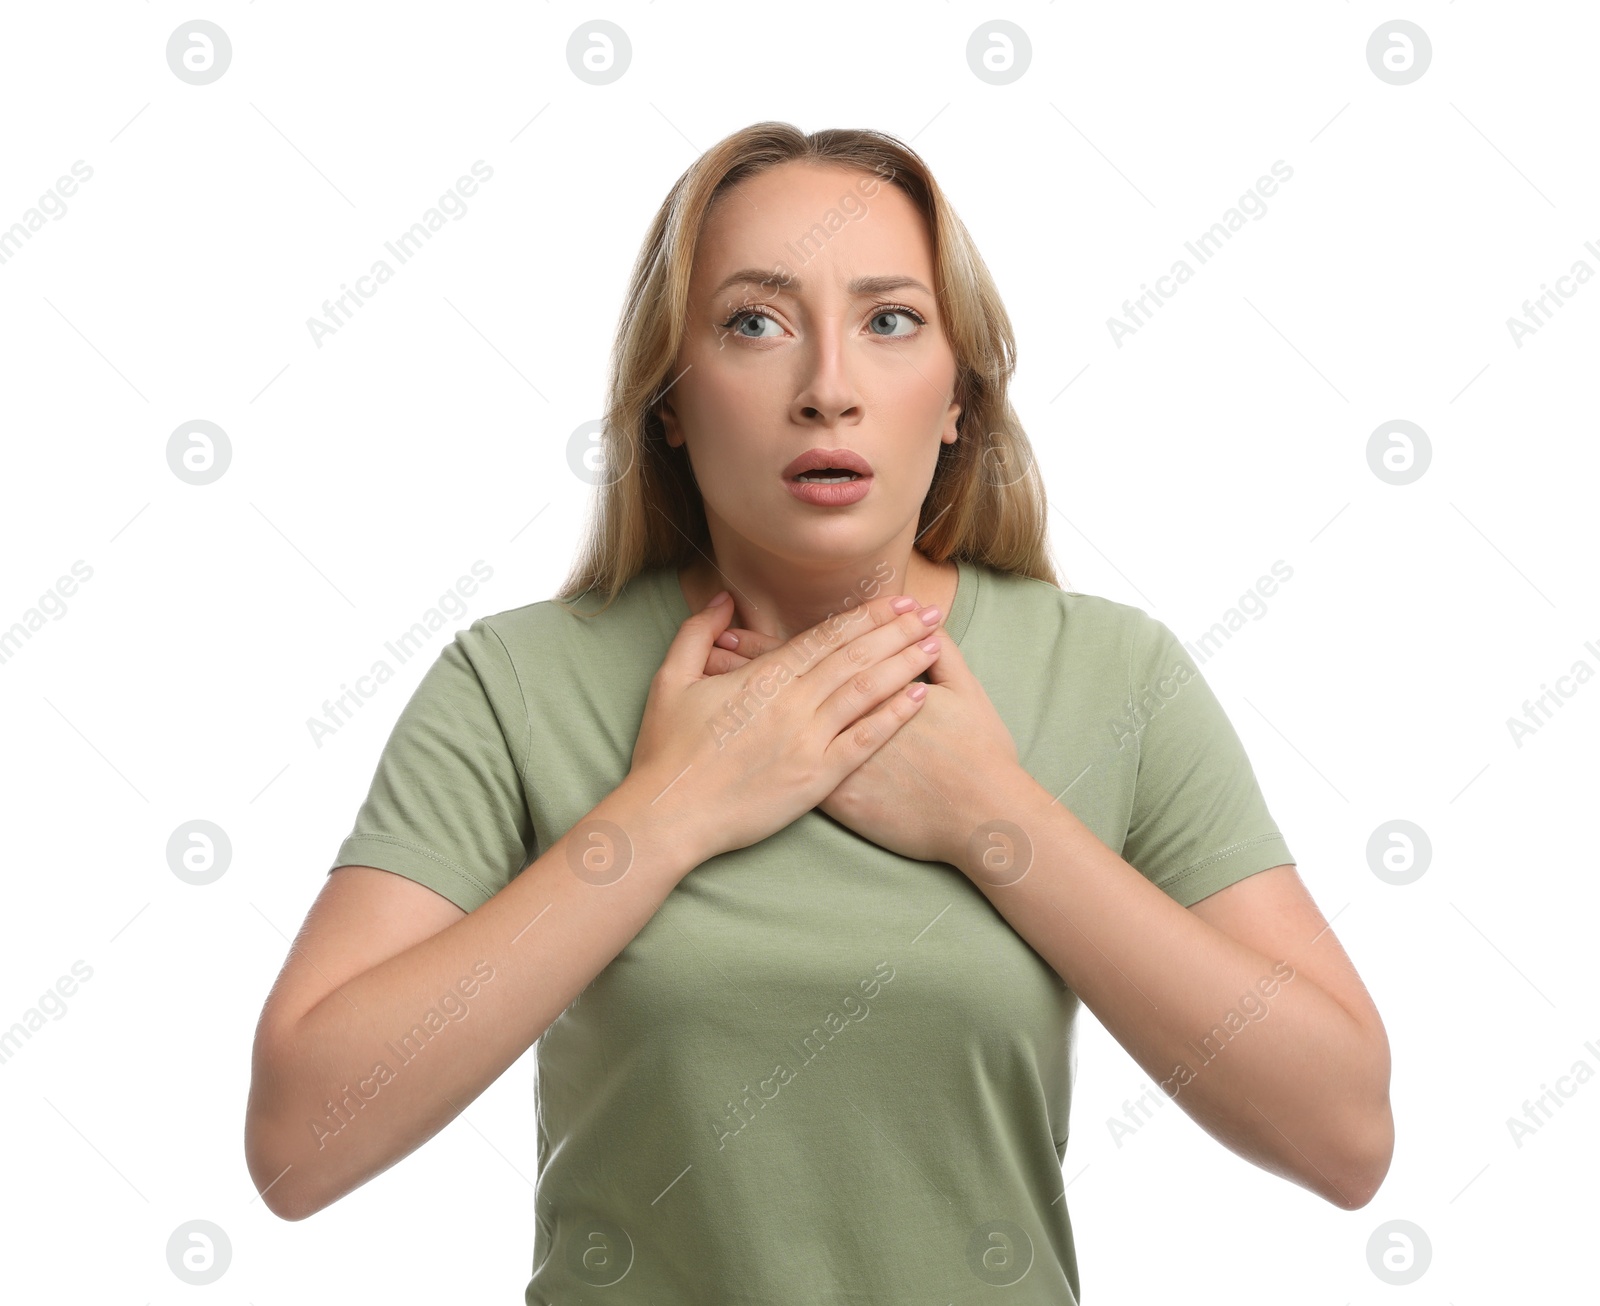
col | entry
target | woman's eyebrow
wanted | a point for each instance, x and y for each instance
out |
(872, 285)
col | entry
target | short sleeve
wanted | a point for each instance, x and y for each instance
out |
(446, 806)
(1199, 821)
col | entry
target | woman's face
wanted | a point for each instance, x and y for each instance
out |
(806, 360)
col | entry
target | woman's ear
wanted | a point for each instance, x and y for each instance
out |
(950, 433)
(669, 424)
(951, 417)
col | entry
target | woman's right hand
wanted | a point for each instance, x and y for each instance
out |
(745, 753)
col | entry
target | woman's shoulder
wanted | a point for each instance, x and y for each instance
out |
(556, 623)
(1026, 600)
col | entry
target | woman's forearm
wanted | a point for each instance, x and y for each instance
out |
(1264, 1059)
(372, 1071)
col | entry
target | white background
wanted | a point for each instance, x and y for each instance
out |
(368, 474)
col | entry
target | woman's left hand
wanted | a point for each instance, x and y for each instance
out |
(926, 792)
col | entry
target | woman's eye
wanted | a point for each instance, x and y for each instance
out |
(737, 321)
(905, 317)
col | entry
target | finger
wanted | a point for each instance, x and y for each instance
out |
(749, 643)
(948, 666)
(691, 646)
(855, 745)
(838, 647)
(721, 661)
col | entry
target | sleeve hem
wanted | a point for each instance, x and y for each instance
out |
(1236, 862)
(414, 862)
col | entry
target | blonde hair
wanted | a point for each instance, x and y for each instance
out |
(986, 502)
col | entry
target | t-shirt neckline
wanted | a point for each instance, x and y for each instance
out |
(673, 608)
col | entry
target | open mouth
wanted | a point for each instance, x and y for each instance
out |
(828, 476)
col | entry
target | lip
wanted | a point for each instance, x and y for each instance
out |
(830, 496)
(843, 459)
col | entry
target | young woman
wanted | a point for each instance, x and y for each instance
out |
(799, 892)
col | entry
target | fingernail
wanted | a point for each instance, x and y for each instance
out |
(717, 598)
(930, 616)
(929, 646)
(903, 604)
(727, 639)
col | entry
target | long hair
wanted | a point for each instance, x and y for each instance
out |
(986, 501)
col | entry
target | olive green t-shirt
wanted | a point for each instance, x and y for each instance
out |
(821, 1073)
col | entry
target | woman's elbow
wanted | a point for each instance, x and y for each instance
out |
(1367, 1164)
